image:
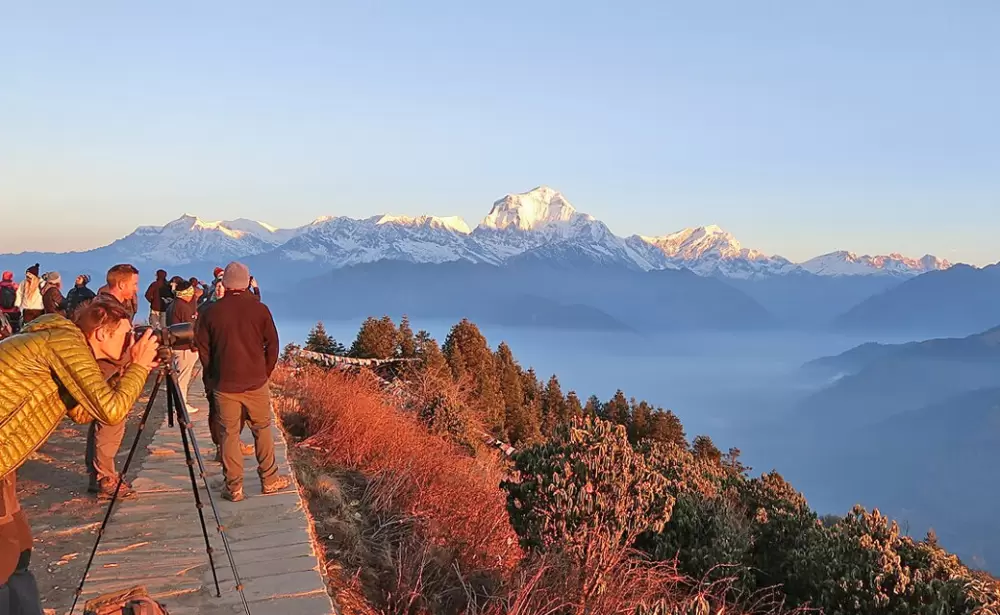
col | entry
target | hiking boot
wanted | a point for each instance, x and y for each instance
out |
(274, 485)
(233, 495)
(106, 490)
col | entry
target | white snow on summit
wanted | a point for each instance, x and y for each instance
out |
(849, 263)
(542, 221)
(261, 230)
(709, 250)
(187, 239)
(343, 242)
(451, 223)
(531, 210)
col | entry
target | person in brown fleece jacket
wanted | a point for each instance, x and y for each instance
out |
(238, 347)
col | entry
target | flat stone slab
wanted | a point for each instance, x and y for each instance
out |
(156, 540)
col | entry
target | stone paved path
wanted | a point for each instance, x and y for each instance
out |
(156, 540)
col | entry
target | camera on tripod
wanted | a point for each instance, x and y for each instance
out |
(168, 337)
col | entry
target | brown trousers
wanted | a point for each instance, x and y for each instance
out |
(103, 441)
(256, 406)
(214, 422)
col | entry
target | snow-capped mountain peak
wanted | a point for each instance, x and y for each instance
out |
(448, 223)
(262, 230)
(187, 239)
(849, 263)
(531, 210)
(692, 243)
(709, 250)
(190, 223)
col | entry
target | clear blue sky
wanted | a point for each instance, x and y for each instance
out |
(802, 127)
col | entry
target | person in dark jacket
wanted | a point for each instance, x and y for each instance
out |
(184, 310)
(78, 295)
(158, 295)
(238, 347)
(8, 301)
(53, 301)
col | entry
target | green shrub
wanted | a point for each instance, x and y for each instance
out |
(584, 481)
(866, 566)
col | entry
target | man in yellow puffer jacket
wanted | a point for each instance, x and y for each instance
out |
(49, 371)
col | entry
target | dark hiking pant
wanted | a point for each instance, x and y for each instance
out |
(256, 405)
(19, 594)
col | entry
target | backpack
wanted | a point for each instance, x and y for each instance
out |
(134, 601)
(8, 297)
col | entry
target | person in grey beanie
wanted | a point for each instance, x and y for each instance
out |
(53, 301)
(238, 347)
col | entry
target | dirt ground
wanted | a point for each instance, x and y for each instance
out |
(52, 487)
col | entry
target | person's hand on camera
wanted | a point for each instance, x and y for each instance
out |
(143, 351)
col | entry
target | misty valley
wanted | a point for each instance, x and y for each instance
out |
(918, 434)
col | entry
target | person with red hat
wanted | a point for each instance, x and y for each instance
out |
(8, 301)
(212, 295)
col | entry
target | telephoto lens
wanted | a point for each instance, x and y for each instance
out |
(181, 333)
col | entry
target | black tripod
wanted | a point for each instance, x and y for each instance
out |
(175, 404)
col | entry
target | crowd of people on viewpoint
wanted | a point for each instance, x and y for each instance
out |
(78, 355)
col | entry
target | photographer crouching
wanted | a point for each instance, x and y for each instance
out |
(47, 372)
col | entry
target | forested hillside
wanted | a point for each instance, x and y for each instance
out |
(589, 475)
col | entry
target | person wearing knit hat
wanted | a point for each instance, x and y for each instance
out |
(236, 276)
(238, 346)
(78, 295)
(214, 291)
(53, 301)
(29, 295)
(182, 310)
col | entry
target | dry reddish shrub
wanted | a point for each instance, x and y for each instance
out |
(456, 503)
(456, 499)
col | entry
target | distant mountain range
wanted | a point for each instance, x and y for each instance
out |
(957, 301)
(527, 292)
(539, 224)
(872, 382)
(912, 428)
(541, 236)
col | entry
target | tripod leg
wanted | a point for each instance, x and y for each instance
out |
(121, 480)
(187, 435)
(175, 403)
